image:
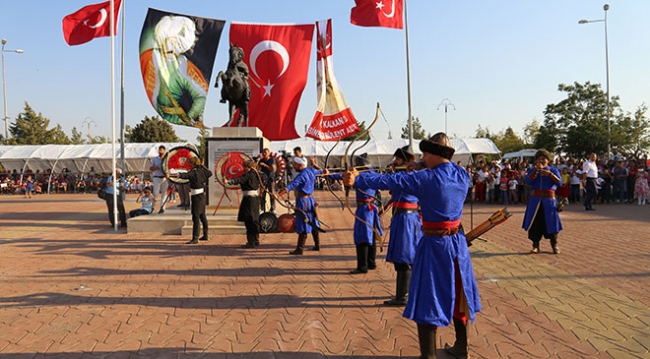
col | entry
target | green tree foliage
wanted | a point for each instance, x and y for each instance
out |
(531, 131)
(30, 128)
(152, 129)
(200, 142)
(419, 133)
(77, 137)
(578, 122)
(508, 141)
(631, 133)
(98, 140)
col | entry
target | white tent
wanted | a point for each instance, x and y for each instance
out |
(380, 153)
(79, 158)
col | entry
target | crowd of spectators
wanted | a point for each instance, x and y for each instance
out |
(621, 179)
(13, 182)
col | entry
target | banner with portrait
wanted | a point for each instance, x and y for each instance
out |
(177, 55)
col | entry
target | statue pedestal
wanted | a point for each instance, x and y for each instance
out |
(247, 140)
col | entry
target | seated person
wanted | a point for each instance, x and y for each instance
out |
(148, 202)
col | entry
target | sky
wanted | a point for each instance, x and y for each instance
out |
(498, 62)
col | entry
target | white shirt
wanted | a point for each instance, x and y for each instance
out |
(590, 169)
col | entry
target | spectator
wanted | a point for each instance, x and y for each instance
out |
(147, 200)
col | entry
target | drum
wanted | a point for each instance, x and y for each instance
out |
(230, 166)
(176, 160)
(287, 223)
(268, 222)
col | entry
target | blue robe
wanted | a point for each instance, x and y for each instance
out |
(548, 205)
(304, 182)
(405, 231)
(369, 212)
(441, 192)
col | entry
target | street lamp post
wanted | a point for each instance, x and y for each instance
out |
(88, 121)
(609, 129)
(446, 103)
(4, 84)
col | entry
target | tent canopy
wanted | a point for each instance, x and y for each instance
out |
(380, 153)
(79, 158)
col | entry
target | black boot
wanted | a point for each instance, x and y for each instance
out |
(256, 239)
(362, 259)
(302, 238)
(556, 249)
(427, 338)
(372, 254)
(250, 241)
(316, 246)
(402, 289)
(459, 350)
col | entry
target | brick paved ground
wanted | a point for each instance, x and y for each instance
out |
(72, 287)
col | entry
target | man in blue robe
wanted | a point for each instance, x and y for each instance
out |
(405, 232)
(541, 217)
(305, 213)
(443, 287)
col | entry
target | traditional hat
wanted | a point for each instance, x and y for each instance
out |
(543, 153)
(404, 154)
(438, 144)
(361, 160)
(299, 161)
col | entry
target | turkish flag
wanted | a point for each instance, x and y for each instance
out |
(278, 60)
(90, 22)
(384, 13)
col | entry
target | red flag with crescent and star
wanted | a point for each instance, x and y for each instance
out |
(90, 22)
(383, 13)
(334, 119)
(278, 60)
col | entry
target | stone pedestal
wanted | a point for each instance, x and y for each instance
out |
(247, 140)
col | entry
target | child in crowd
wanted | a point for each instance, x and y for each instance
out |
(148, 202)
(512, 187)
(641, 188)
(564, 191)
(503, 187)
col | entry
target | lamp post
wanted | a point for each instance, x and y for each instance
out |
(609, 129)
(88, 121)
(4, 84)
(446, 103)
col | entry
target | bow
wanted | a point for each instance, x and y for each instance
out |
(329, 186)
(346, 165)
(299, 212)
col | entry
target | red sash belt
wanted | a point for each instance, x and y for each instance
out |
(543, 193)
(441, 229)
(405, 205)
(367, 200)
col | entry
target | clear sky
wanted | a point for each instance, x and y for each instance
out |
(499, 61)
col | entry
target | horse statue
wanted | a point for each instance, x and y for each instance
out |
(236, 89)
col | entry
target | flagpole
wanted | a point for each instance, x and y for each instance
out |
(408, 77)
(112, 24)
(122, 155)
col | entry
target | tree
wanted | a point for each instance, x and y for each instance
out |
(419, 133)
(151, 130)
(200, 139)
(579, 122)
(31, 129)
(97, 140)
(531, 131)
(508, 141)
(484, 133)
(77, 137)
(631, 132)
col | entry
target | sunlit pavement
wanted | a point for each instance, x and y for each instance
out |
(73, 287)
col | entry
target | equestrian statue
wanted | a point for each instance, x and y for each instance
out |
(236, 89)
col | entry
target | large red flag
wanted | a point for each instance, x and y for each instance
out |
(384, 13)
(333, 119)
(278, 59)
(90, 22)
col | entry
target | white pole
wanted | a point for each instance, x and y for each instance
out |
(123, 160)
(115, 179)
(408, 78)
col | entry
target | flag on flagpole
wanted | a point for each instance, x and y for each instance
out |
(278, 59)
(90, 22)
(177, 55)
(334, 119)
(383, 13)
